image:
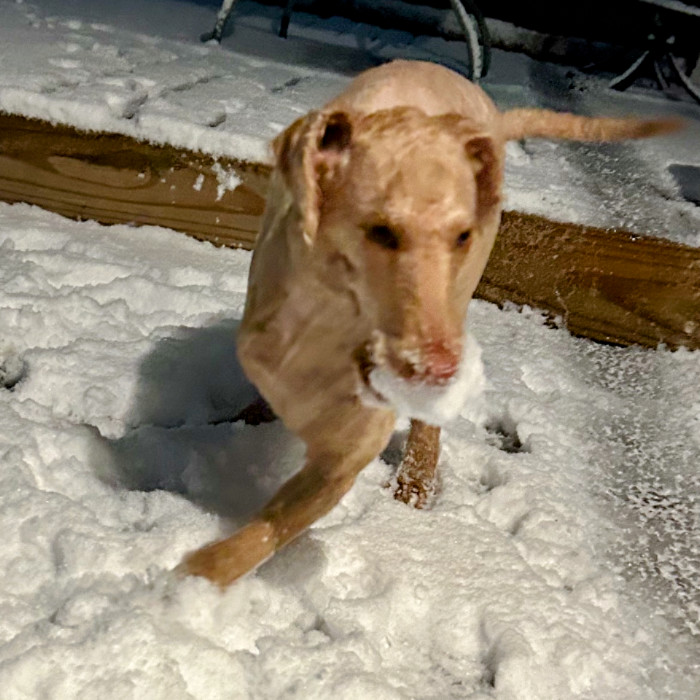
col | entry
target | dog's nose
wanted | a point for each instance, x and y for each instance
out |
(433, 364)
(440, 363)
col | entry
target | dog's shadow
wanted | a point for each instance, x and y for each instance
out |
(182, 437)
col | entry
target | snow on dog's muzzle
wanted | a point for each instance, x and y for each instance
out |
(435, 404)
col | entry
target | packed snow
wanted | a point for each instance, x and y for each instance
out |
(139, 69)
(560, 559)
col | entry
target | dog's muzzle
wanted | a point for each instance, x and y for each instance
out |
(434, 364)
(432, 388)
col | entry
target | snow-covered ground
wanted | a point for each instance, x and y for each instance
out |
(138, 68)
(560, 560)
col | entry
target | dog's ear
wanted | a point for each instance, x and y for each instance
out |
(309, 153)
(483, 154)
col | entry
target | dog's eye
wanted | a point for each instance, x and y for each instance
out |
(383, 236)
(463, 239)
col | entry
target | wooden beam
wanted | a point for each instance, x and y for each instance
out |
(116, 179)
(612, 286)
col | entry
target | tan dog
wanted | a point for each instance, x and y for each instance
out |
(382, 211)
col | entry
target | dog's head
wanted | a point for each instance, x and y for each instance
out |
(400, 210)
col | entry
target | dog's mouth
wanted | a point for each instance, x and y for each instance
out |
(434, 402)
(433, 363)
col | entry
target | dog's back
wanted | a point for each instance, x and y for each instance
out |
(429, 87)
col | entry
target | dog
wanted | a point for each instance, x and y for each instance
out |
(382, 211)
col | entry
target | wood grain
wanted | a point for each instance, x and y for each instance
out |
(611, 286)
(116, 179)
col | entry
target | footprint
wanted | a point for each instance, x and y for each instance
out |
(503, 434)
(501, 644)
(513, 528)
(126, 106)
(12, 371)
(491, 478)
(502, 501)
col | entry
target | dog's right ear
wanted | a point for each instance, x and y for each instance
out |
(309, 152)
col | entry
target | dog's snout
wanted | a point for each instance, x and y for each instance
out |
(440, 363)
(433, 364)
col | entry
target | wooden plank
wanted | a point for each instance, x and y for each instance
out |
(612, 286)
(116, 179)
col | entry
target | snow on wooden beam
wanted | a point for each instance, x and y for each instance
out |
(115, 179)
(611, 286)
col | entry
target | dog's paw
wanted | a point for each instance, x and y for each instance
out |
(227, 560)
(418, 493)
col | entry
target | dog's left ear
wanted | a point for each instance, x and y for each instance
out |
(482, 152)
(308, 153)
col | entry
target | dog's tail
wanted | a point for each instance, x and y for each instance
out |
(543, 123)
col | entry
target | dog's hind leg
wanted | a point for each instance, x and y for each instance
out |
(329, 472)
(417, 473)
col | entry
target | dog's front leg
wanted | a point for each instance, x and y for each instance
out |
(300, 502)
(417, 473)
(329, 472)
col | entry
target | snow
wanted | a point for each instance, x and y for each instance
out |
(436, 405)
(560, 559)
(139, 69)
(676, 6)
